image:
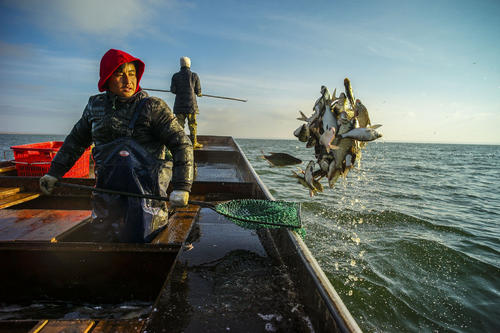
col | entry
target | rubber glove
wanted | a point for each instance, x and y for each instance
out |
(179, 198)
(47, 183)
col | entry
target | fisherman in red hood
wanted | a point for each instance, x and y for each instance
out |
(139, 147)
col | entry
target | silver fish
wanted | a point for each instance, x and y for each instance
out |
(317, 185)
(348, 91)
(302, 116)
(348, 164)
(362, 134)
(345, 125)
(340, 105)
(329, 120)
(348, 160)
(302, 133)
(333, 97)
(325, 93)
(323, 100)
(319, 105)
(301, 180)
(281, 159)
(313, 137)
(324, 163)
(310, 119)
(344, 147)
(308, 176)
(361, 112)
(326, 139)
(333, 174)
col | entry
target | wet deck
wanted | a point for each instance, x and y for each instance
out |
(38, 224)
(225, 170)
(227, 282)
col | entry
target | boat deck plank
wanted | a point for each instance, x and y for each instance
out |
(58, 326)
(122, 326)
(8, 191)
(17, 198)
(180, 224)
(38, 224)
(6, 169)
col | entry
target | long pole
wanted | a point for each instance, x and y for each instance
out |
(204, 95)
(157, 197)
(129, 194)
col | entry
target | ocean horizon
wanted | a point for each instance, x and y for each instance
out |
(291, 138)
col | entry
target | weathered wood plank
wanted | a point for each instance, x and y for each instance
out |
(7, 191)
(39, 326)
(180, 224)
(7, 169)
(38, 224)
(10, 218)
(66, 326)
(17, 199)
(119, 326)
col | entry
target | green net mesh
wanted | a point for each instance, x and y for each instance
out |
(255, 214)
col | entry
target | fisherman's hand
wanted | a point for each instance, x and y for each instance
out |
(179, 198)
(200, 94)
(47, 183)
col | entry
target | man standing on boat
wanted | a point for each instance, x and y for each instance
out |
(186, 86)
(131, 133)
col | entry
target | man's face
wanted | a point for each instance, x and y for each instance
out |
(123, 82)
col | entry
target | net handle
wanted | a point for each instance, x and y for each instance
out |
(157, 197)
(130, 194)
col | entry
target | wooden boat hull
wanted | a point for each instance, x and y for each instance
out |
(83, 272)
(229, 277)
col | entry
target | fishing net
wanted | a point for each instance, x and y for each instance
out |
(255, 214)
(247, 213)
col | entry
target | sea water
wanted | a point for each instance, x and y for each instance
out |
(410, 239)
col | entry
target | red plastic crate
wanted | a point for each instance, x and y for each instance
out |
(34, 159)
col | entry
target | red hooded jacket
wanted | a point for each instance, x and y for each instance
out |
(110, 62)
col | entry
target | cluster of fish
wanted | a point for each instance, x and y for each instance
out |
(338, 130)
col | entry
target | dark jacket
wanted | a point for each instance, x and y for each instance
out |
(186, 86)
(106, 118)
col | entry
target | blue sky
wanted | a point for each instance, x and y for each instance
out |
(428, 71)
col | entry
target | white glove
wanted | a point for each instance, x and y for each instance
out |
(47, 183)
(179, 198)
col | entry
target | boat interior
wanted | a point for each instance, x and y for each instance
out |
(200, 273)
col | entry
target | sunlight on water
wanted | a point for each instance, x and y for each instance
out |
(408, 243)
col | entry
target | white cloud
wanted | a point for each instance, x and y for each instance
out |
(118, 18)
(40, 67)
